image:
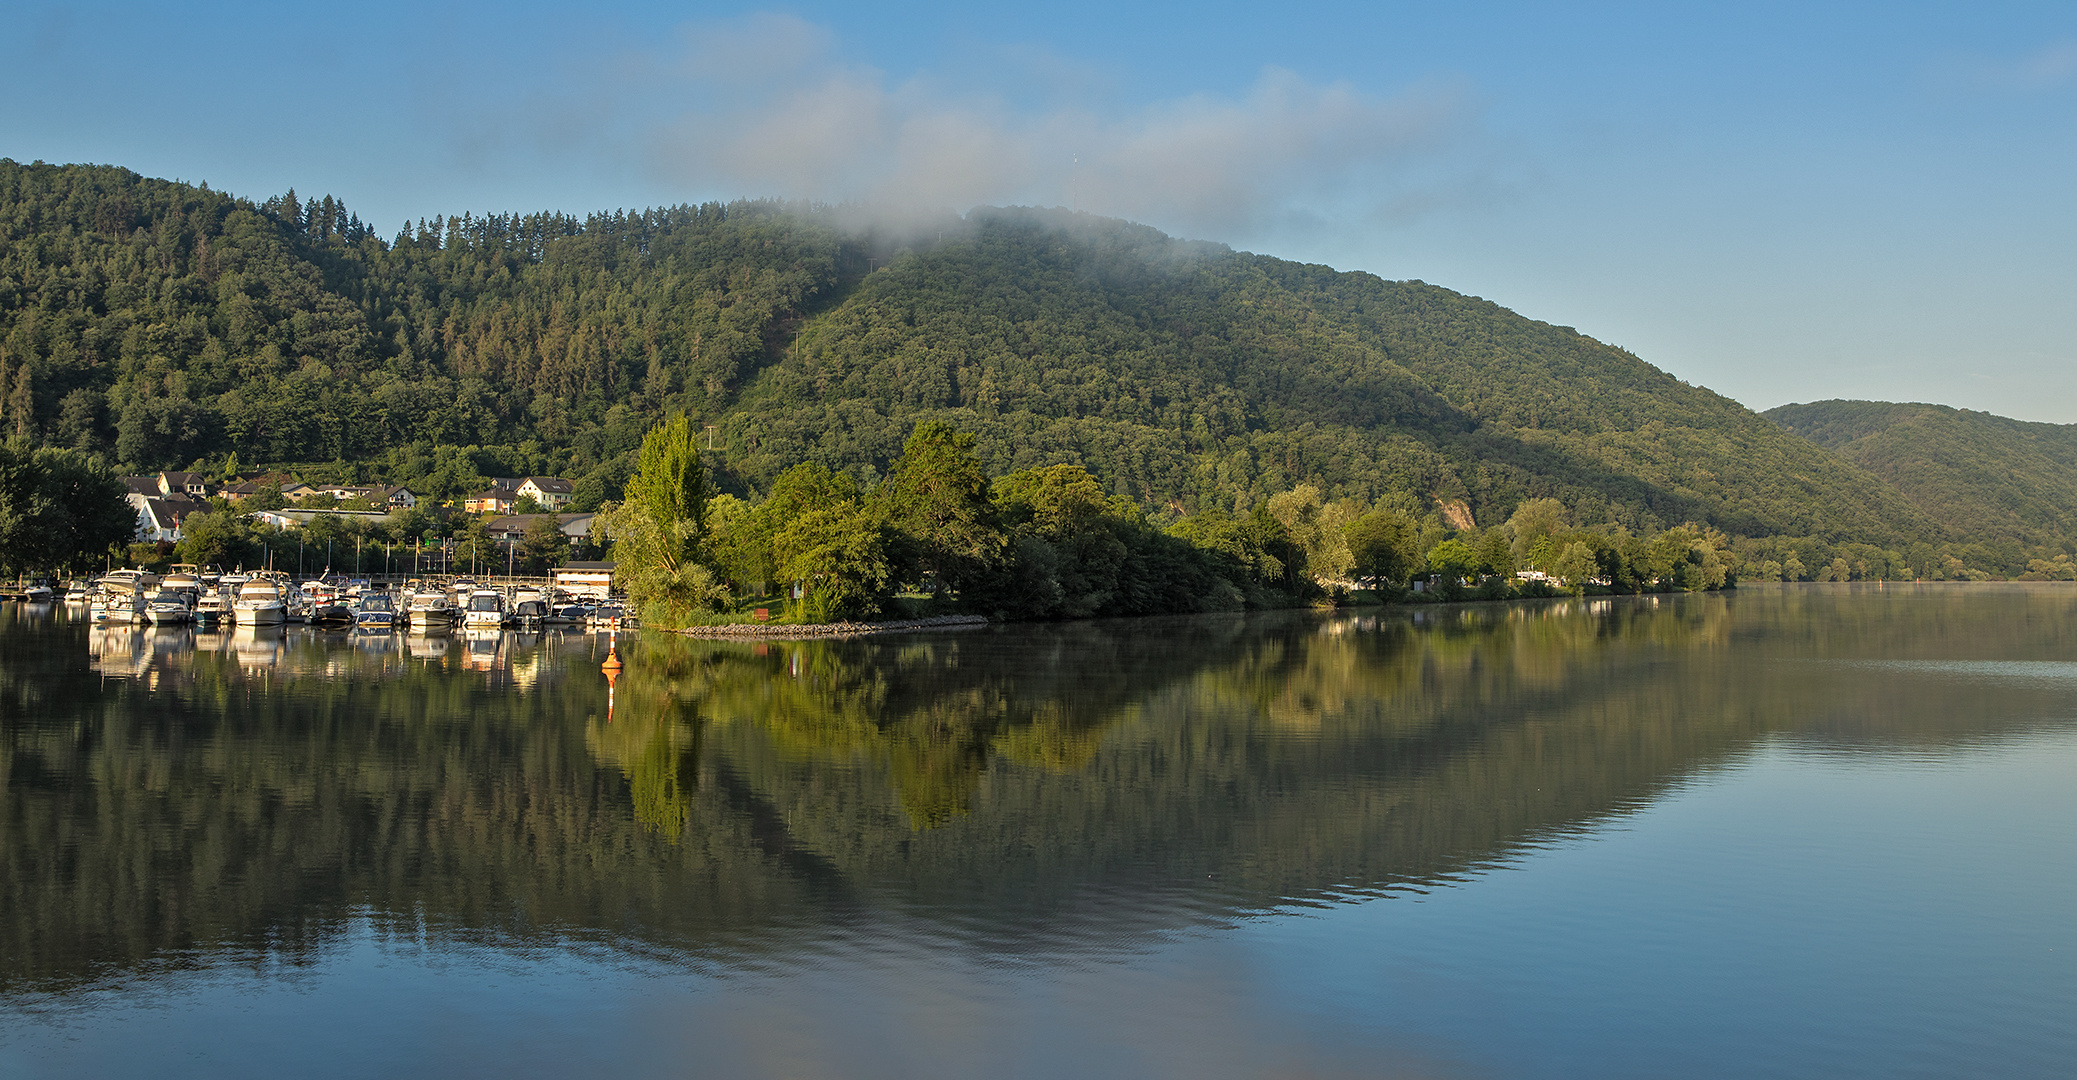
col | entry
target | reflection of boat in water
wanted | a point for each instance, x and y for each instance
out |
(481, 645)
(258, 645)
(118, 649)
(422, 647)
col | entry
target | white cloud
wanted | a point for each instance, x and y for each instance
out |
(765, 106)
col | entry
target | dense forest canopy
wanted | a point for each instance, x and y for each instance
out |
(1975, 473)
(162, 324)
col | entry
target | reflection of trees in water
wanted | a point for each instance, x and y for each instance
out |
(1018, 778)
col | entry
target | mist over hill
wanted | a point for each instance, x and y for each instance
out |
(166, 325)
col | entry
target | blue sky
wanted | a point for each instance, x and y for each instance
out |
(1784, 202)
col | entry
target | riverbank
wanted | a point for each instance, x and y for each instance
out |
(803, 631)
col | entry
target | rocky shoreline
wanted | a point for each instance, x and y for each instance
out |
(764, 631)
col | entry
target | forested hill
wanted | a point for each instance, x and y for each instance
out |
(1975, 473)
(168, 324)
(1190, 373)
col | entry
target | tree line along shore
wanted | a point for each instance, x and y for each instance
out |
(937, 536)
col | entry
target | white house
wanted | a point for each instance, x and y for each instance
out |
(160, 519)
(552, 492)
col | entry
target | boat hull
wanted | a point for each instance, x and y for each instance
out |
(262, 614)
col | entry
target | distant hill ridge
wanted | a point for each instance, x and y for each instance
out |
(165, 324)
(1976, 474)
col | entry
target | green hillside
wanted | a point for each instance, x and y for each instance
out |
(1975, 473)
(166, 324)
(1190, 374)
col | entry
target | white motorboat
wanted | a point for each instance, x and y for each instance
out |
(430, 611)
(260, 603)
(128, 581)
(169, 607)
(213, 607)
(117, 606)
(486, 607)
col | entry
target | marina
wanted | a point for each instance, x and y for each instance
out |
(421, 606)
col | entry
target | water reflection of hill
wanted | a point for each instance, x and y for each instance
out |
(1023, 785)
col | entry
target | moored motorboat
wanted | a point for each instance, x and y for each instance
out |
(260, 602)
(128, 581)
(430, 611)
(529, 608)
(607, 616)
(212, 607)
(374, 611)
(331, 613)
(117, 606)
(169, 607)
(486, 608)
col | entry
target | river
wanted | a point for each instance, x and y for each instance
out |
(1786, 831)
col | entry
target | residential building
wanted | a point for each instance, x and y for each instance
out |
(192, 485)
(513, 527)
(396, 498)
(159, 520)
(552, 492)
(496, 500)
(593, 579)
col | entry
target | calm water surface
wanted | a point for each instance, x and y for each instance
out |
(1804, 831)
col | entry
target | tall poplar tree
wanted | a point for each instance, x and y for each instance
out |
(670, 491)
